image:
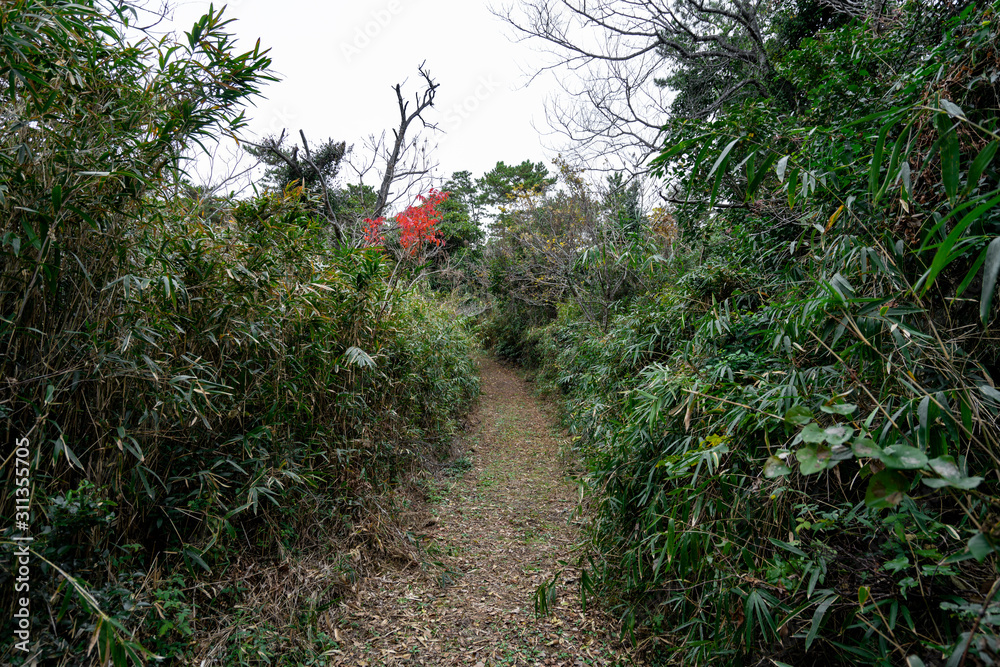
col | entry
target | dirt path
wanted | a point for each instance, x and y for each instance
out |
(499, 524)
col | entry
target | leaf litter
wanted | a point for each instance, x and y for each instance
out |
(494, 525)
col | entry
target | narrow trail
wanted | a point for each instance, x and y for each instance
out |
(499, 523)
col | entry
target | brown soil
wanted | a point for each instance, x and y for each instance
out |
(495, 524)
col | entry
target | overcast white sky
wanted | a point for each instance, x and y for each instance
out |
(338, 60)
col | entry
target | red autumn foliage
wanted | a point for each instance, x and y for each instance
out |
(417, 225)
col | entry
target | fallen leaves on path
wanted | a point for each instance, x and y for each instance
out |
(499, 525)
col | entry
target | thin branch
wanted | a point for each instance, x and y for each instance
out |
(330, 215)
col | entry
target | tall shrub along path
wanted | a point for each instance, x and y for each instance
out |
(499, 523)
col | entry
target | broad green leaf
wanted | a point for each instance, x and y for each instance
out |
(914, 661)
(949, 156)
(897, 564)
(990, 270)
(841, 452)
(798, 415)
(949, 475)
(866, 448)
(903, 457)
(946, 467)
(814, 458)
(839, 409)
(886, 489)
(980, 547)
(838, 434)
(812, 433)
(775, 467)
(964, 484)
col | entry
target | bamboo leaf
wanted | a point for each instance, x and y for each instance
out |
(953, 109)
(990, 271)
(759, 176)
(943, 255)
(663, 158)
(358, 357)
(904, 173)
(717, 183)
(949, 156)
(722, 156)
(792, 184)
(970, 276)
(779, 169)
(873, 175)
(892, 175)
(979, 165)
(701, 156)
(817, 619)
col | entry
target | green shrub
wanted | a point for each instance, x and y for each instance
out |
(196, 386)
(791, 444)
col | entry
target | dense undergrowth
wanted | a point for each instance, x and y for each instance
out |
(208, 398)
(790, 420)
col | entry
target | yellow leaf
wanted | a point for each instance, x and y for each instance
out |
(833, 218)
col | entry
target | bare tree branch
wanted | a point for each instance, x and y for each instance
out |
(423, 101)
(330, 215)
(625, 56)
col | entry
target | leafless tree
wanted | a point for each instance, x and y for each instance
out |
(224, 168)
(635, 60)
(404, 159)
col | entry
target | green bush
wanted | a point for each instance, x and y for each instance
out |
(791, 442)
(196, 386)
